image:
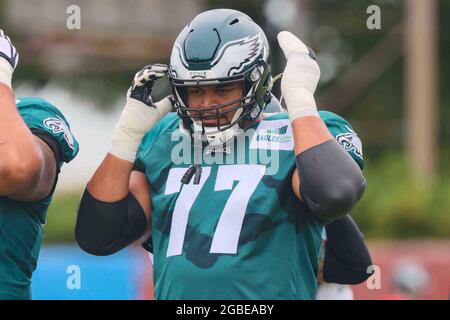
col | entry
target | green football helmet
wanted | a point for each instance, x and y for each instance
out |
(217, 47)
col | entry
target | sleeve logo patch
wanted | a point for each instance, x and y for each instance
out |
(273, 135)
(350, 142)
(57, 126)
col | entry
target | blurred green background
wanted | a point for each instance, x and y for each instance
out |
(365, 76)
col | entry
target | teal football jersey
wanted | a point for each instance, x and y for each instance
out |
(21, 223)
(240, 233)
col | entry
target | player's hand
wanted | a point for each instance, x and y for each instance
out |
(140, 114)
(9, 57)
(300, 77)
(143, 82)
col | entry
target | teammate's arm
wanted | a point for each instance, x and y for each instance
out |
(27, 164)
(115, 208)
(327, 179)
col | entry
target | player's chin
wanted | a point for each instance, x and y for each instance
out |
(215, 122)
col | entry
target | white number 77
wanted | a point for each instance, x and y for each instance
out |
(226, 235)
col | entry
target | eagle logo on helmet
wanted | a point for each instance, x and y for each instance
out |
(249, 48)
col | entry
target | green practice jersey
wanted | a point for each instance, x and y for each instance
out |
(240, 233)
(21, 223)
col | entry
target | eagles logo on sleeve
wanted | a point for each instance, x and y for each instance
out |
(57, 126)
(345, 135)
(350, 142)
(41, 115)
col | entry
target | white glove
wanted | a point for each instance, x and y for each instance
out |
(300, 77)
(140, 114)
(9, 57)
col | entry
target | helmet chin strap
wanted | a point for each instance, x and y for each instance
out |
(216, 137)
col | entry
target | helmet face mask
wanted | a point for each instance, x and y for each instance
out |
(220, 47)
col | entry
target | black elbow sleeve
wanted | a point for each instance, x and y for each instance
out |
(347, 257)
(331, 181)
(103, 228)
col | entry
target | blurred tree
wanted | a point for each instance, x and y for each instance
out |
(420, 80)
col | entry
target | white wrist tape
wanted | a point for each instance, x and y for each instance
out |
(300, 77)
(6, 71)
(300, 103)
(135, 121)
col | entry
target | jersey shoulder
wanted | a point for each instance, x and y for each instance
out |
(166, 125)
(41, 115)
(276, 116)
(339, 128)
(344, 133)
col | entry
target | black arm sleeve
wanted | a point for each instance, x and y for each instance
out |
(103, 228)
(330, 180)
(52, 144)
(346, 255)
(137, 167)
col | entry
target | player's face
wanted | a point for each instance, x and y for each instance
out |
(204, 97)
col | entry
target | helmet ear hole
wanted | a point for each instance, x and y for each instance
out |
(247, 86)
(182, 95)
(267, 97)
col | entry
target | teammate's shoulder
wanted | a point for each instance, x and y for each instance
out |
(34, 109)
(38, 105)
(42, 116)
(27, 101)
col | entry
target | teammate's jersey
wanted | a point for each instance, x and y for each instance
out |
(21, 223)
(240, 233)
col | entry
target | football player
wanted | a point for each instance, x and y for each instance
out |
(225, 230)
(35, 140)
